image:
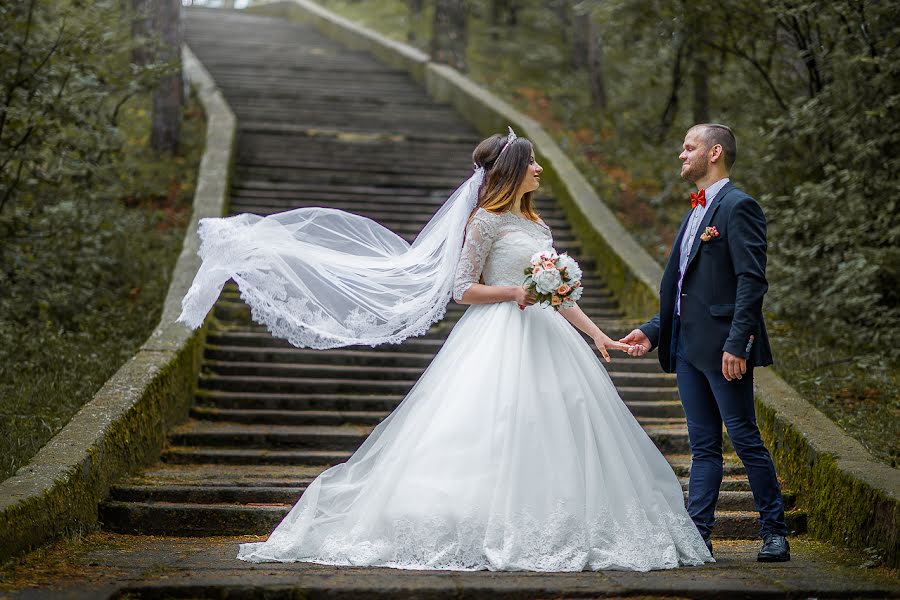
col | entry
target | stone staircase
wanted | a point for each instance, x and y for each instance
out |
(323, 125)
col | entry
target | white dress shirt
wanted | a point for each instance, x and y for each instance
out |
(691, 232)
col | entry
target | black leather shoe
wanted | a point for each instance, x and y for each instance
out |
(708, 543)
(775, 548)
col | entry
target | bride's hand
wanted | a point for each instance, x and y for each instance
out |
(604, 343)
(523, 298)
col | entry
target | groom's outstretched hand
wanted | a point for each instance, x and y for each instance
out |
(638, 343)
(733, 367)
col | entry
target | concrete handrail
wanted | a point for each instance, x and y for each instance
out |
(850, 497)
(124, 425)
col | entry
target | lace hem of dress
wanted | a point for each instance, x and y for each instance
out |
(522, 542)
(224, 249)
(311, 337)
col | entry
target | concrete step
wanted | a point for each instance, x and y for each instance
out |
(288, 417)
(298, 401)
(337, 417)
(346, 381)
(621, 375)
(267, 436)
(371, 357)
(669, 437)
(188, 519)
(252, 456)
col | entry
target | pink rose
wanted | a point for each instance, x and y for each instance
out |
(563, 289)
(548, 264)
(556, 301)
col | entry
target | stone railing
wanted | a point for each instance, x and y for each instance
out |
(850, 498)
(124, 425)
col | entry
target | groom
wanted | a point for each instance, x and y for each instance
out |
(710, 332)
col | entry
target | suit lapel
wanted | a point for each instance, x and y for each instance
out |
(705, 221)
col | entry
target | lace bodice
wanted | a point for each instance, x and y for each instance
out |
(498, 247)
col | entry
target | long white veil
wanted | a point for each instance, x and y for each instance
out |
(322, 278)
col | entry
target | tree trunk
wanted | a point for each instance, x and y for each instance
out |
(415, 17)
(700, 80)
(595, 63)
(448, 42)
(142, 27)
(580, 31)
(668, 116)
(168, 96)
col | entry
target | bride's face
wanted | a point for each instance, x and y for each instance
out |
(532, 180)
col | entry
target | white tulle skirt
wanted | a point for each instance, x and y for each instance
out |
(512, 452)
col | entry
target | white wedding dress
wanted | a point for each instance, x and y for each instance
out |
(512, 452)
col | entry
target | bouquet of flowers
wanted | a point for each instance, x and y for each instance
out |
(554, 279)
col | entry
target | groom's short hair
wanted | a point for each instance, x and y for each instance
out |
(714, 133)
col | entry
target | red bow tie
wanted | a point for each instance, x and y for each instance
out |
(698, 198)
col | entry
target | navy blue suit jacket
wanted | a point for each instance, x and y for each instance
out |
(722, 291)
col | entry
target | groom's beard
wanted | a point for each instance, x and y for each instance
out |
(695, 172)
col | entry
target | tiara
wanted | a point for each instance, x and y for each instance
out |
(509, 138)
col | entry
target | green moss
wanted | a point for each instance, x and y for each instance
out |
(840, 508)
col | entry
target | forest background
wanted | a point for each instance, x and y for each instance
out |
(98, 156)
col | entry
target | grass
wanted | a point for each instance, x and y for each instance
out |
(88, 284)
(529, 66)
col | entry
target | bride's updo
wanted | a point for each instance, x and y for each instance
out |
(505, 169)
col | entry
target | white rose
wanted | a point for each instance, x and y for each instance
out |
(548, 280)
(573, 271)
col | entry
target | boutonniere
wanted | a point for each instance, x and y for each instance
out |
(710, 233)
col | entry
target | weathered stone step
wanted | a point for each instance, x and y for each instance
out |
(163, 473)
(260, 124)
(238, 378)
(205, 493)
(621, 375)
(657, 402)
(298, 401)
(288, 417)
(362, 165)
(231, 312)
(252, 456)
(190, 520)
(335, 418)
(374, 358)
(681, 464)
(438, 332)
(668, 438)
(263, 436)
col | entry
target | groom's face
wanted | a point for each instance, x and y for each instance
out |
(694, 156)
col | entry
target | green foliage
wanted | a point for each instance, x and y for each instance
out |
(65, 74)
(83, 286)
(91, 219)
(835, 198)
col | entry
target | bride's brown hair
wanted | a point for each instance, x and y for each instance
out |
(504, 172)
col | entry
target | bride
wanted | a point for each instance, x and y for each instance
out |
(513, 451)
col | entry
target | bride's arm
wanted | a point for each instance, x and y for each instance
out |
(576, 317)
(467, 288)
(478, 293)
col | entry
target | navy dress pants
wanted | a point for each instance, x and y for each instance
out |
(709, 400)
